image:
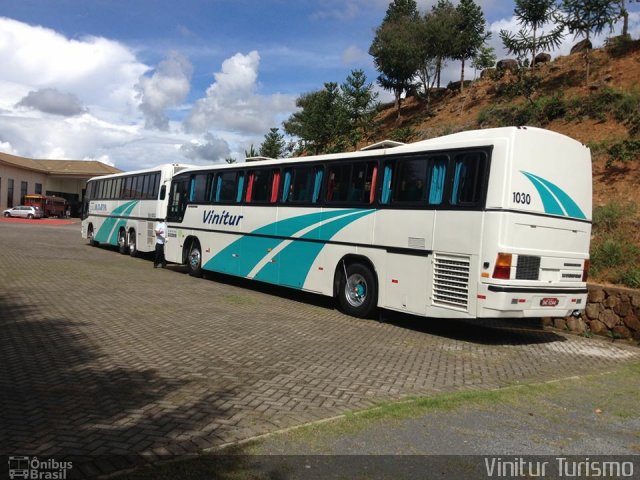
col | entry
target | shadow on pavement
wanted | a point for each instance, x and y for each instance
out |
(61, 397)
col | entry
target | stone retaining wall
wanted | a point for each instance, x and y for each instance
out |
(611, 311)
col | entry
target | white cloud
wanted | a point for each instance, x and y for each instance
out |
(233, 103)
(213, 149)
(97, 70)
(50, 100)
(167, 87)
(354, 55)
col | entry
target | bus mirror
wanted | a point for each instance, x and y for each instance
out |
(163, 192)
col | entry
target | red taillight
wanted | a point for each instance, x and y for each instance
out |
(585, 270)
(502, 269)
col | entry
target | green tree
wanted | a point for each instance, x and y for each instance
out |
(274, 144)
(532, 15)
(230, 160)
(586, 17)
(395, 53)
(471, 33)
(485, 58)
(441, 24)
(251, 153)
(360, 102)
(321, 120)
(401, 9)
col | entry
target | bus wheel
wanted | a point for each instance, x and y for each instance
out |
(194, 260)
(90, 239)
(357, 293)
(133, 249)
(122, 241)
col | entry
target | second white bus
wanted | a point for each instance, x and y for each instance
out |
(121, 209)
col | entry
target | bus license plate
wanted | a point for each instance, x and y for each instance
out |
(549, 302)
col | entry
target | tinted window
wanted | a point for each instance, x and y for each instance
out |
(259, 186)
(350, 183)
(177, 198)
(226, 187)
(468, 178)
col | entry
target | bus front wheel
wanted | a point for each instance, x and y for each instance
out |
(357, 292)
(194, 260)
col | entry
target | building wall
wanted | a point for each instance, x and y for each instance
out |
(18, 175)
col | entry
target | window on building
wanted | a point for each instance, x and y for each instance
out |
(38, 189)
(10, 193)
(24, 189)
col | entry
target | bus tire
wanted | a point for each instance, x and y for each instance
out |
(90, 236)
(122, 241)
(194, 259)
(357, 291)
(133, 248)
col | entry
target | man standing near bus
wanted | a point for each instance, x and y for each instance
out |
(161, 235)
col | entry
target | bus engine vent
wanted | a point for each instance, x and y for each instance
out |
(451, 281)
(528, 268)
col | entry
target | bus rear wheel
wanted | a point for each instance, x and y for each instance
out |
(133, 249)
(194, 260)
(122, 242)
(357, 292)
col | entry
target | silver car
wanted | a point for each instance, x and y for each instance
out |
(23, 211)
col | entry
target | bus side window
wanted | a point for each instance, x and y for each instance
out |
(467, 181)
(386, 184)
(317, 185)
(286, 187)
(438, 173)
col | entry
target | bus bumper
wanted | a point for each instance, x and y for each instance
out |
(518, 302)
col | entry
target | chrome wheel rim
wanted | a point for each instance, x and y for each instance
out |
(194, 258)
(356, 290)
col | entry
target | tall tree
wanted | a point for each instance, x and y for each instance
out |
(361, 105)
(273, 145)
(320, 121)
(471, 33)
(401, 9)
(533, 15)
(440, 35)
(396, 56)
(251, 153)
(586, 17)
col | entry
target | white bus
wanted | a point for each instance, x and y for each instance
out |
(487, 223)
(121, 209)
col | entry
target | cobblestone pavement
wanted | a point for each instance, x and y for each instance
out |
(101, 354)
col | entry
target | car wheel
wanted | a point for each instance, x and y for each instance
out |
(7, 214)
(358, 293)
(194, 260)
(30, 216)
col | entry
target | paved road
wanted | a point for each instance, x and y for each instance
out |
(101, 354)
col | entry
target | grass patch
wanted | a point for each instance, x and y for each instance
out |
(614, 258)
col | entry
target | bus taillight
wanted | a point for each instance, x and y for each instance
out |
(585, 270)
(502, 270)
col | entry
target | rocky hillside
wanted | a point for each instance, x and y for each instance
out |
(604, 114)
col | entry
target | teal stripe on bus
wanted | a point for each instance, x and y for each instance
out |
(241, 256)
(550, 204)
(565, 200)
(105, 231)
(291, 266)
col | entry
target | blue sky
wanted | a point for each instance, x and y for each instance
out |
(140, 82)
